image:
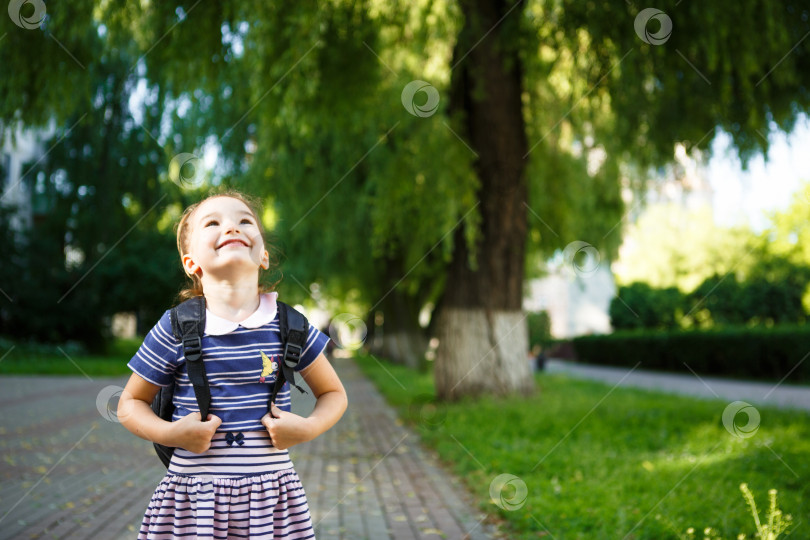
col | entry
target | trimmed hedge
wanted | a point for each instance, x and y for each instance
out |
(752, 353)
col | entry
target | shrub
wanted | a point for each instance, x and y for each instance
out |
(641, 306)
(771, 295)
(33, 349)
(539, 328)
(769, 353)
(758, 300)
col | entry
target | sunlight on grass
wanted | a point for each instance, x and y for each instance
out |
(23, 360)
(635, 464)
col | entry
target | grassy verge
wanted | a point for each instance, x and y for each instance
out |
(93, 366)
(610, 463)
(22, 360)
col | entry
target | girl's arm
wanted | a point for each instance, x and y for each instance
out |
(289, 429)
(136, 414)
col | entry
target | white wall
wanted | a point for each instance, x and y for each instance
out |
(577, 303)
(20, 147)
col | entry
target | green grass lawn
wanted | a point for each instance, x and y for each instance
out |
(24, 361)
(601, 463)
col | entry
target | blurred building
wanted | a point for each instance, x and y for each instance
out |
(577, 303)
(22, 175)
(23, 151)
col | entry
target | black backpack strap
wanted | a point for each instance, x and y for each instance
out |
(294, 331)
(188, 326)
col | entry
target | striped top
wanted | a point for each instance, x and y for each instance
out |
(241, 365)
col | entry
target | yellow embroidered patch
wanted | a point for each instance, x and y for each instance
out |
(268, 366)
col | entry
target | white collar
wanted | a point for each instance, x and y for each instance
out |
(217, 326)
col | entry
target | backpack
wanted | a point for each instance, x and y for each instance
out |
(188, 326)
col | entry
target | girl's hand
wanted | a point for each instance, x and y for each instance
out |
(194, 435)
(287, 429)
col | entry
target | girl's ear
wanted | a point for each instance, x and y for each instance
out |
(265, 260)
(189, 265)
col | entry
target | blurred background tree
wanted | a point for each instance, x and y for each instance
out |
(544, 109)
(681, 270)
(671, 246)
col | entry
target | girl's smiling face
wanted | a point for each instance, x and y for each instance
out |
(225, 240)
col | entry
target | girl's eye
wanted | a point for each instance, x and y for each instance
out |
(246, 220)
(212, 222)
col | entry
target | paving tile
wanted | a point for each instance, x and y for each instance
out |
(68, 470)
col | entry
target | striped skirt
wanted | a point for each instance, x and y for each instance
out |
(241, 487)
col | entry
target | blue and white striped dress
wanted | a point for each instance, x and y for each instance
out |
(242, 487)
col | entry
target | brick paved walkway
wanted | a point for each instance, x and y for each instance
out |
(69, 472)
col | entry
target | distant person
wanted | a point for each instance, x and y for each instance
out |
(230, 475)
(539, 357)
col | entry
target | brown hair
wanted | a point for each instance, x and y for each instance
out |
(183, 230)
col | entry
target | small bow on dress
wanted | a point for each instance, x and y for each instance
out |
(230, 438)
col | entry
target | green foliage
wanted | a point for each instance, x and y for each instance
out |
(573, 170)
(76, 366)
(790, 228)
(777, 521)
(12, 268)
(70, 358)
(539, 328)
(48, 72)
(671, 246)
(303, 101)
(383, 187)
(711, 71)
(734, 276)
(602, 462)
(724, 301)
(759, 352)
(123, 348)
(20, 349)
(772, 294)
(94, 248)
(641, 306)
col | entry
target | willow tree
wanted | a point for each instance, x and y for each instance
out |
(542, 106)
(658, 76)
(93, 248)
(363, 192)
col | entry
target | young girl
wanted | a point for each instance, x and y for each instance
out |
(230, 476)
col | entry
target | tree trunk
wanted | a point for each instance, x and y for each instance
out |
(399, 338)
(483, 337)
